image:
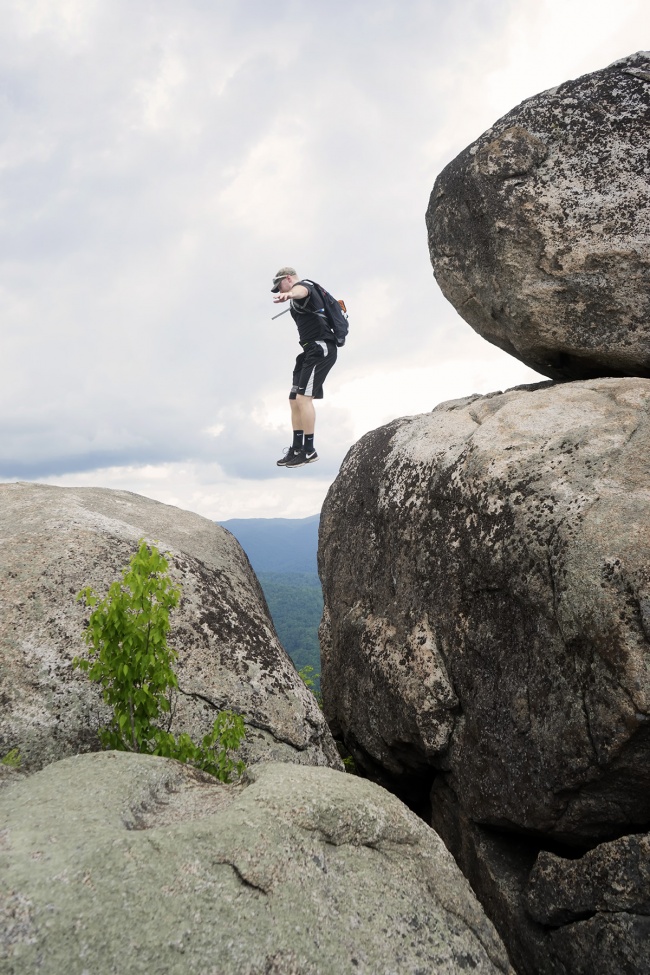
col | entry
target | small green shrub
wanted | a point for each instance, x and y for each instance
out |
(128, 655)
(305, 675)
(12, 759)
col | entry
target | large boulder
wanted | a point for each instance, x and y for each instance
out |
(486, 577)
(122, 863)
(53, 542)
(539, 232)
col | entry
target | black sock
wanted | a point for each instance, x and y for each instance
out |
(297, 440)
(309, 443)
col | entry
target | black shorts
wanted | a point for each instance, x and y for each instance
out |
(311, 368)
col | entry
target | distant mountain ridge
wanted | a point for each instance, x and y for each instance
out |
(282, 552)
(277, 544)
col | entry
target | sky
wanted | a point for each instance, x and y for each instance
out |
(160, 160)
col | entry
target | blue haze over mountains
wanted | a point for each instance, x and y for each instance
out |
(282, 552)
(278, 544)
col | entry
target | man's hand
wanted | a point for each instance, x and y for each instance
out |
(298, 291)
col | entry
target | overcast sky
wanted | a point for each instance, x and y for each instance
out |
(161, 159)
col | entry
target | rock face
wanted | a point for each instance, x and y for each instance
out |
(486, 576)
(53, 542)
(125, 863)
(539, 232)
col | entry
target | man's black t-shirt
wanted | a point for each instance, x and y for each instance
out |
(309, 316)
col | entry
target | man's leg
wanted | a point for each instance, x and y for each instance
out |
(304, 408)
(296, 425)
(298, 435)
(314, 367)
(296, 420)
(303, 412)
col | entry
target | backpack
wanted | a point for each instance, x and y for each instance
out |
(335, 314)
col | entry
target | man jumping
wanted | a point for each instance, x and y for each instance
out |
(312, 365)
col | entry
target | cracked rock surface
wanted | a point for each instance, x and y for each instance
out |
(53, 542)
(539, 232)
(486, 576)
(113, 862)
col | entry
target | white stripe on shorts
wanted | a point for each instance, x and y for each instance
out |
(309, 388)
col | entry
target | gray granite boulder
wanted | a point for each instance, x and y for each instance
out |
(123, 863)
(486, 577)
(53, 542)
(539, 232)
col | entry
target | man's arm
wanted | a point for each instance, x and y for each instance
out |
(298, 291)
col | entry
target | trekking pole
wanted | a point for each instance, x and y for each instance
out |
(273, 317)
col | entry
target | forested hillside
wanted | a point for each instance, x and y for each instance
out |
(282, 552)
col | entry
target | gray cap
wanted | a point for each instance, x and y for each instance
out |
(282, 273)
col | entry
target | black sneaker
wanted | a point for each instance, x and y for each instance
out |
(286, 457)
(301, 458)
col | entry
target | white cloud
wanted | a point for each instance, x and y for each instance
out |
(205, 489)
(378, 398)
(259, 191)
